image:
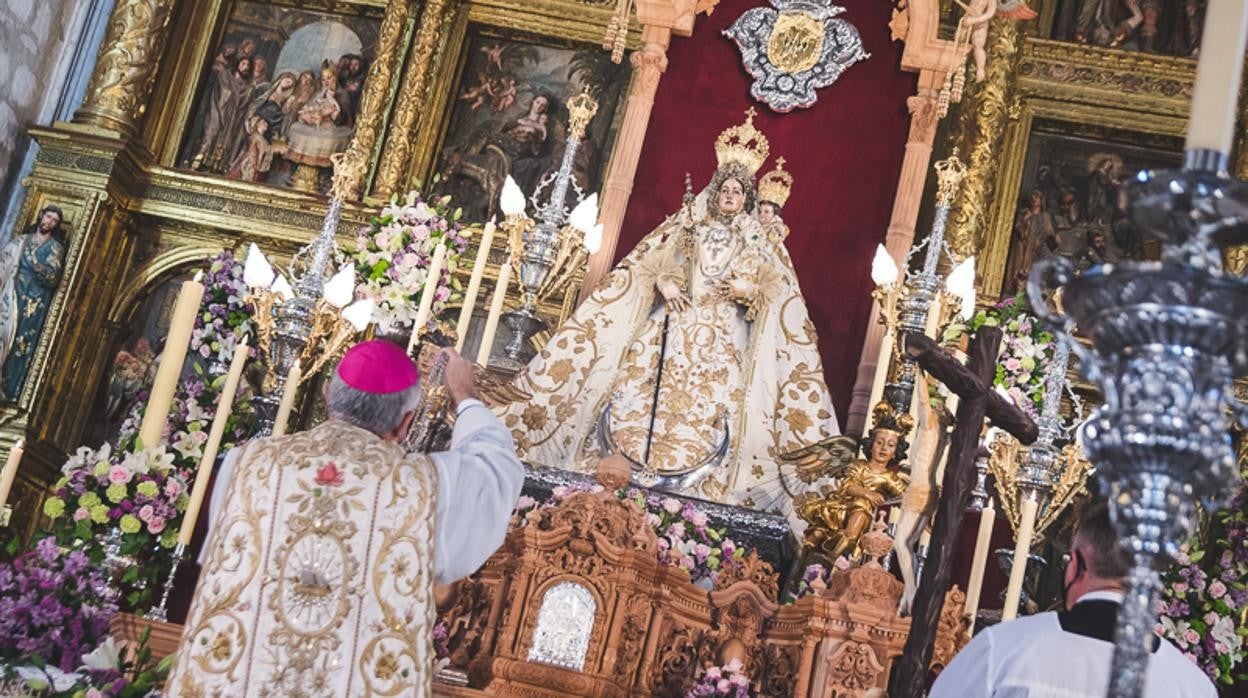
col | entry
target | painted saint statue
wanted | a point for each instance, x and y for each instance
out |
(30, 270)
(696, 359)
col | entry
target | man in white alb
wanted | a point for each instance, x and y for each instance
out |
(325, 545)
(1067, 654)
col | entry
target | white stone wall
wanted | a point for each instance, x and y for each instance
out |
(32, 35)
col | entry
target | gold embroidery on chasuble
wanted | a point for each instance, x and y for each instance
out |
(319, 577)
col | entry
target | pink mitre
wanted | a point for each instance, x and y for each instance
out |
(378, 366)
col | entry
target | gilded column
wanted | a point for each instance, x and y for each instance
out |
(648, 65)
(914, 168)
(413, 94)
(377, 90)
(981, 127)
(126, 67)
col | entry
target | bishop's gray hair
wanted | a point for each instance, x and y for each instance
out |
(380, 413)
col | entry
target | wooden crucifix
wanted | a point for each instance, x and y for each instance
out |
(973, 384)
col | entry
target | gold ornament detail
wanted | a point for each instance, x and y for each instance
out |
(776, 185)
(126, 67)
(396, 156)
(581, 110)
(796, 42)
(981, 128)
(743, 145)
(949, 175)
(349, 170)
(1005, 454)
(373, 99)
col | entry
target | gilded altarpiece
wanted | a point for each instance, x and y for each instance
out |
(138, 213)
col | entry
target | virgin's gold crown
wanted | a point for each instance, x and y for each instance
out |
(776, 185)
(743, 145)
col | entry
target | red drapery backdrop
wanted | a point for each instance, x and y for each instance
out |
(844, 153)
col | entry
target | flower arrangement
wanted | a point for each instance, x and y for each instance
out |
(106, 672)
(685, 537)
(52, 607)
(727, 681)
(1026, 347)
(1205, 596)
(141, 494)
(224, 316)
(393, 254)
(816, 577)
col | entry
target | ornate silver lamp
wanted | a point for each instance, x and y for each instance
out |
(1167, 339)
(548, 251)
(908, 307)
(309, 322)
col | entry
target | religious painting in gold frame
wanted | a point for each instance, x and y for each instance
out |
(1061, 188)
(1162, 27)
(279, 93)
(507, 115)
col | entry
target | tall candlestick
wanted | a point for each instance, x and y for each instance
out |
(426, 296)
(1022, 550)
(979, 562)
(1215, 98)
(496, 312)
(289, 390)
(176, 344)
(10, 471)
(206, 461)
(474, 286)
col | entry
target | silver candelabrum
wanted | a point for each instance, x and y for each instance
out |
(549, 250)
(922, 289)
(309, 322)
(1167, 340)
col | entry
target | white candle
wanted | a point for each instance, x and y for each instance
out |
(1215, 97)
(289, 390)
(426, 296)
(202, 475)
(934, 312)
(1022, 550)
(881, 375)
(979, 562)
(474, 286)
(178, 341)
(10, 471)
(496, 312)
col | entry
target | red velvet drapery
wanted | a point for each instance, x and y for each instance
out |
(845, 154)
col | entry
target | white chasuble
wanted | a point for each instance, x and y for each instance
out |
(320, 573)
(739, 381)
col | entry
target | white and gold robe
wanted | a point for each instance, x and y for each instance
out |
(756, 369)
(324, 549)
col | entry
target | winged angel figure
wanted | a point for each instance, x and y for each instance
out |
(973, 27)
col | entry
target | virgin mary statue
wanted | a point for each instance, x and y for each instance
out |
(696, 359)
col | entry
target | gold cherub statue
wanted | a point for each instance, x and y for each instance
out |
(838, 518)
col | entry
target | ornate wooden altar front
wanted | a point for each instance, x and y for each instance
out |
(577, 603)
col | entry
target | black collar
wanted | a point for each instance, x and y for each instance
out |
(1094, 619)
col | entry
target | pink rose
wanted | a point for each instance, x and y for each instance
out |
(1191, 636)
(94, 693)
(1012, 364)
(145, 514)
(1217, 589)
(119, 474)
(81, 514)
(699, 519)
(173, 488)
(156, 525)
(702, 551)
(671, 506)
(1179, 587)
(329, 475)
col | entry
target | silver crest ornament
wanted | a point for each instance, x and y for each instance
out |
(795, 49)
